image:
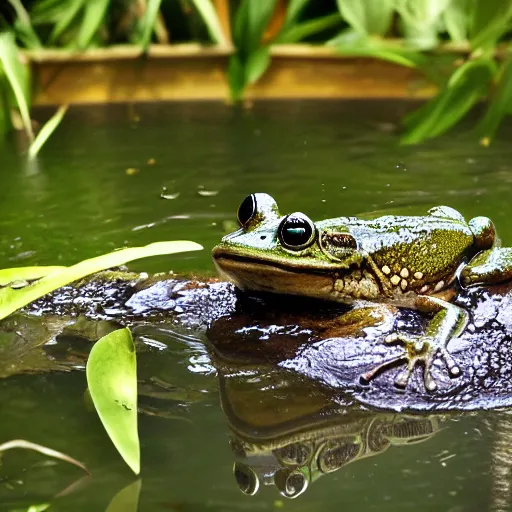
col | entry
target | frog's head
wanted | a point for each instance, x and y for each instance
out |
(285, 254)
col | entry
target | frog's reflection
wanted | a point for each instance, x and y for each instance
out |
(288, 432)
(294, 465)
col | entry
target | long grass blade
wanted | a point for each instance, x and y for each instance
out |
(17, 78)
(305, 29)
(46, 131)
(148, 23)
(27, 445)
(23, 26)
(94, 17)
(211, 20)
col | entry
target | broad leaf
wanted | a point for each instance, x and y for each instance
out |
(293, 11)
(46, 131)
(112, 379)
(23, 26)
(370, 17)
(12, 300)
(236, 77)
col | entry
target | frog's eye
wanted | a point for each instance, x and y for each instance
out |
(247, 210)
(296, 231)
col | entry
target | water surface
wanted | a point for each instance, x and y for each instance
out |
(97, 186)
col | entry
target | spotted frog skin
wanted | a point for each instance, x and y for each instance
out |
(416, 262)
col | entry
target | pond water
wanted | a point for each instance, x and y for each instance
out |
(97, 186)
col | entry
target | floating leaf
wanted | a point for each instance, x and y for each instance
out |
(211, 20)
(11, 300)
(127, 499)
(27, 445)
(465, 87)
(46, 131)
(17, 76)
(112, 379)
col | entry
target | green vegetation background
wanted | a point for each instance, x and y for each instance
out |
(463, 46)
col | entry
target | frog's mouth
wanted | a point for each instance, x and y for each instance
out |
(270, 276)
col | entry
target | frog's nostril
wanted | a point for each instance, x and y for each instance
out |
(262, 237)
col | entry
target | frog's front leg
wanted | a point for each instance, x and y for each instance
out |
(488, 267)
(448, 322)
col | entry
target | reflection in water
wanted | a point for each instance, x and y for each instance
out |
(502, 464)
(294, 465)
(289, 433)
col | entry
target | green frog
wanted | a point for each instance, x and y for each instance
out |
(417, 262)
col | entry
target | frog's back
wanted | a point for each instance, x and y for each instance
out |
(415, 253)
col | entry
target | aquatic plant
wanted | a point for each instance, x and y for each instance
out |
(463, 46)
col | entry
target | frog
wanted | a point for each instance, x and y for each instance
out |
(419, 262)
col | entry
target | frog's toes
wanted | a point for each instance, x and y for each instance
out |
(418, 350)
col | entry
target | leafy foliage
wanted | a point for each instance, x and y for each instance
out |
(112, 379)
(405, 32)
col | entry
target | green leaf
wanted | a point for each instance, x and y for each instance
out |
(421, 20)
(148, 21)
(367, 16)
(11, 275)
(353, 44)
(127, 499)
(17, 77)
(465, 87)
(456, 19)
(501, 102)
(93, 18)
(12, 300)
(251, 20)
(23, 27)
(44, 134)
(257, 64)
(211, 20)
(112, 379)
(300, 31)
(293, 11)
(236, 76)
(489, 22)
(68, 13)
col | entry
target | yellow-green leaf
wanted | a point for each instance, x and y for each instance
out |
(12, 300)
(112, 379)
(127, 499)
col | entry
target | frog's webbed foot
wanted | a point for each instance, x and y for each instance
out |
(419, 350)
